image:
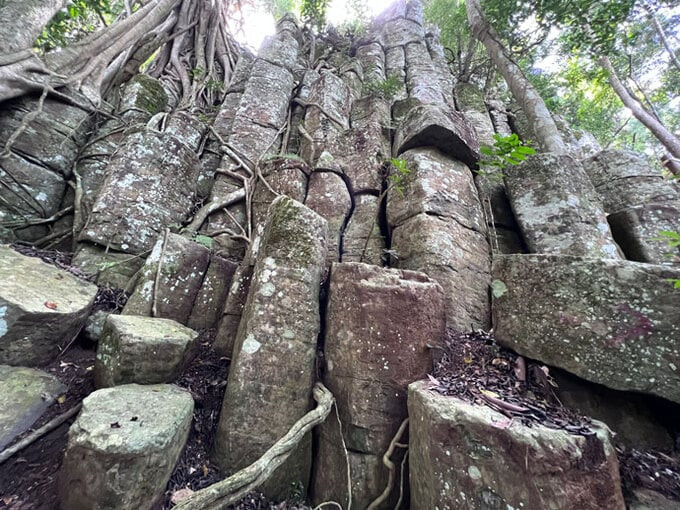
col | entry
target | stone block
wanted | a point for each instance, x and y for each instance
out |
(611, 322)
(42, 308)
(123, 447)
(459, 457)
(142, 350)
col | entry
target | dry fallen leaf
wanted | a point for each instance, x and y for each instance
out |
(205, 470)
(51, 305)
(61, 399)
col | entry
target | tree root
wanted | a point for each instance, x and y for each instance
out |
(221, 494)
(390, 466)
(37, 434)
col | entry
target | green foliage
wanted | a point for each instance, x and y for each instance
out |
(385, 89)
(506, 150)
(278, 8)
(673, 240)
(78, 19)
(399, 174)
(314, 13)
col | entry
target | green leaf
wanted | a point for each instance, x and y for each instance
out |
(206, 241)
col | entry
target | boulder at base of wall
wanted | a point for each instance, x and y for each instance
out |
(111, 268)
(171, 279)
(379, 326)
(142, 350)
(611, 322)
(272, 370)
(123, 447)
(209, 302)
(461, 458)
(26, 394)
(41, 308)
(439, 126)
(558, 209)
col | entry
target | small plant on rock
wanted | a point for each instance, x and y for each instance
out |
(506, 150)
(385, 89)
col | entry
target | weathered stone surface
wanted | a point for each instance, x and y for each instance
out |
(233, 307)
(95, 324)
(422, 79)
(151, 184)
(142, 350)
(325, 124)
(611, 322)
(637, 231)
(645, 499)
(26, 394)
(285, 176)
(437, 126)
(174, 287)
(436, 185)
(499, 116)
(558, 209)
(111, 268)
(329, 197)
(187, 128)
(378, 327)
(640, 203)
(469, 97)
(441, 65)
(453, 255)
(363, 241)
(459, 457)
(141, 98)
(209, 302)
(41, 308)
(481, 122)
(400, 32)
(625, 179)
(272, 369)
(372, 59)
(123, 447)
(630, 416)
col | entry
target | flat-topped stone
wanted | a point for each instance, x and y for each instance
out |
(463, 455)
(123, 447)
(26, 394)
(145, 350)
(41, 308)
(616, 323)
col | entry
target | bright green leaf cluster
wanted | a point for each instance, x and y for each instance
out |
(314, 12)
(506, 150)
(397, 177)
(385, 89)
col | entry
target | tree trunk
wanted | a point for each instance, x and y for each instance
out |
(22, 21)
(548, 137)
(662, 35)
(661, 132)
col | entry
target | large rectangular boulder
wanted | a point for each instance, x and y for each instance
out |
(272, 368)
(379, 326)
(611, 322)
(461, 456)
(42, 308)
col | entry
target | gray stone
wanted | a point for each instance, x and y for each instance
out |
(363, 241)
(233, 307)
(123, 447)
(151, 184)
(41, 308)
(95, 324)
(372, 59)
(625, 179)
(557, 208)
(111, 268)
(209, 302)
(611, 322)
(436, 185)
(460, 456)
(26, 395)
(438, 126)
(400, 32)
(142, 350)
(423, 81)
(329, 197)
(481, 122)
(469, 97)
(630, 416)
(453, 255)
(646, 499)
(379, 325)
(174, 286)
(638, 229)
(272, 368)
